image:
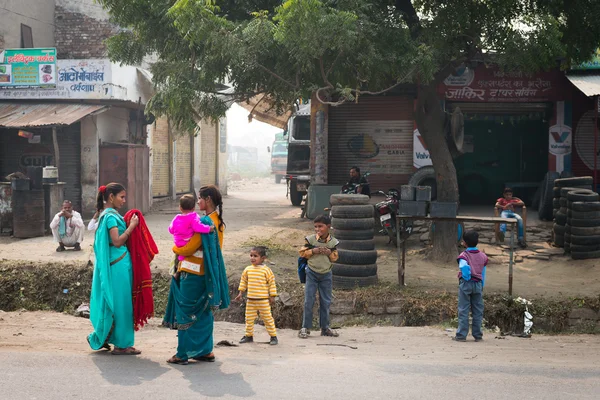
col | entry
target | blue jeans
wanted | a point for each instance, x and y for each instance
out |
(512, 214)
(324, 284)
(470, 297)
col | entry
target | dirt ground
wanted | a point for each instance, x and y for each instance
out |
(257, 212)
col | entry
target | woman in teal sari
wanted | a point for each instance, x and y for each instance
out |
(199, 286)
(111, 306)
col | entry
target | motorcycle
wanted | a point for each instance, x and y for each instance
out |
(387, 210)
(353, 187)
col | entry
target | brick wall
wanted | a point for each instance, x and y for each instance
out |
(79, 36)
(161, 158)
(208, 155)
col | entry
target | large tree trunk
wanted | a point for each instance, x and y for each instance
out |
(430, 121)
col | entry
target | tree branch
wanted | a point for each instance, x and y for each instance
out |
(267, 70)
(409, 15)
(323, 74)
(334, 62)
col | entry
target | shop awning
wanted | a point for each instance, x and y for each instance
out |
(263, 111)
(588, 84)
(32, 115)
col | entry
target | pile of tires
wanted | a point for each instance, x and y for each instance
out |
(547, 197)
(583, 224)
(353, 225)
(560, 206)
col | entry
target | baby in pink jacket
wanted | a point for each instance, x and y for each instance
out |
(187, 223)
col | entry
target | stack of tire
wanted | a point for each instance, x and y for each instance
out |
(562, 187)
(353, 225)
(583, 224)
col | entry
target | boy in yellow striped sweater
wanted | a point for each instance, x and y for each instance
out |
(258, 280)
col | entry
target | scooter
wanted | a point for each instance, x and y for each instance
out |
(387, 210)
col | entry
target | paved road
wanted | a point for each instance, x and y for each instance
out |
(44, 356)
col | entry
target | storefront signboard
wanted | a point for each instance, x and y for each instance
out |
(28, 68)
(76, 79)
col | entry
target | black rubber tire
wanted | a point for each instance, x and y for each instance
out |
(354, 271)
(566, 174)
(585, 248)
(582, 195)
(565, 191)
(554, 211)
(348, 199)
(576, 181)
(556, 203)
(353, 234)
(357, 245)
(560, 218)
(563, 202)
(585, 255)
(563, 210)
(535, 203)
(556, 191)
(425, 176)
(559, 229)
(361, 211)
(584, 222)
(545, 210)
(585, 240)
(584, 214)
(346, 282)
(559, 240)
(567, 246)
(352, 223)
(352, 257)
(295, 195)
(585, 231)
(583, 206)
(567, 237)
(567, 229)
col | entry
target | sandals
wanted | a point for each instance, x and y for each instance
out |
(177, 360)
(130, 351)
(210, 357)
(60, 249)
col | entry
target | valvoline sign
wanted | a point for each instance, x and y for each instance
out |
(561, 140)
(421, 156)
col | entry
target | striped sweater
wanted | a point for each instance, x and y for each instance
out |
(259, 281)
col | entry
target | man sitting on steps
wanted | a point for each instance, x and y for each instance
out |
(67, 228)
(506, 205)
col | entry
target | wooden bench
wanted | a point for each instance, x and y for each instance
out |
(522, 213)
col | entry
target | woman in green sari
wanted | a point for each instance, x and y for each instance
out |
(111, 306)
(199, 286)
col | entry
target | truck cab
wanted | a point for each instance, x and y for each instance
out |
(298, 160)
(279, 156)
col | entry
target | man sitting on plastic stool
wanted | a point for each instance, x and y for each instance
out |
(67, 228)
(506, 205)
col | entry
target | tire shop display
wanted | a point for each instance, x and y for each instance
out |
(560, 200)
(353, 225)
(583, 224)
(546, 206)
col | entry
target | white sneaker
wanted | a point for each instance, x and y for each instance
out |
(304, 333)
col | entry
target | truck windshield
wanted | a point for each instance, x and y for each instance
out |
(280, 148)
(302, 128)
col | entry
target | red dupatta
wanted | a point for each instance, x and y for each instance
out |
(142, 250)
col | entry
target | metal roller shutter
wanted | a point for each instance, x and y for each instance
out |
(376, 135)
(161, 159)
(183, 163)
(584, 140)
(69, 147)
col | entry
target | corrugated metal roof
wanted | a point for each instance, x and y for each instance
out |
(262, 110)
(23, 115)
(588, 84)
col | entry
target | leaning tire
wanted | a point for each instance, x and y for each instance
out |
(577, 181)
(582, 195)
(348, 199)
(352, 257)
(584, 207)
(585, 255)
(559, 229)
(556, 191)
(556, 203)
(360, 211)
(585, 240)
(346, 282)
(352, 223)
(584, 214)
(356, 245)
(425, 176)
(545, 211)
(353, 234)
(354, 271)
(584, 223)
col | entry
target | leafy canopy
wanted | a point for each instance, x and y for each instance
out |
(337, 48)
